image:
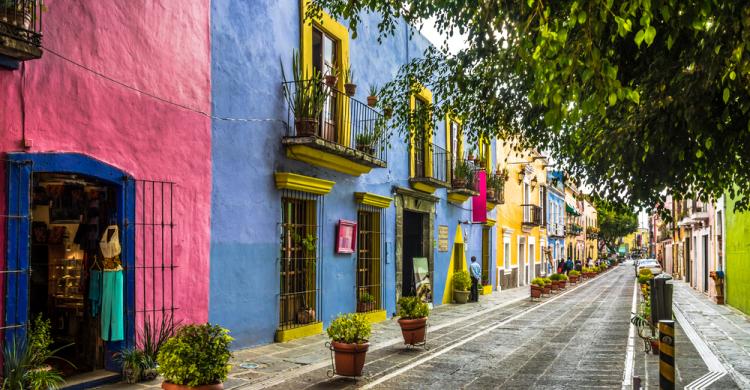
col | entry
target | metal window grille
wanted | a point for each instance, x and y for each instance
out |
(299, 273)
(440, 160)
(155, 264)
(14, 277)
(370, 250)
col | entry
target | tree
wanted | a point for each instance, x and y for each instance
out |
(615, 222)
(635, 96)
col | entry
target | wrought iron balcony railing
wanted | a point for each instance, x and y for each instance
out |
(432, 156)
(343, 121)
(573, 229)
(532, 215)
(464, 174)
(21, 29)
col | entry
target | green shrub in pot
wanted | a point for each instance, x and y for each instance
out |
(196, 355)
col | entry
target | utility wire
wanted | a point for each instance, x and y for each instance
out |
(156, 97)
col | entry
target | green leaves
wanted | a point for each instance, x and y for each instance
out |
(725, 95)
(196, 355)
(649, 35)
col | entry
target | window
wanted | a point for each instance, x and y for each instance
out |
(324, 61)
(456, 146)
(506, 253)
(299, 260)
(421, 148)
(486, 255)
(369, 260)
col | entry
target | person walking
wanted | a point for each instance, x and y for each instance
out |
(578, 265)
(568, 266)
(476, 273)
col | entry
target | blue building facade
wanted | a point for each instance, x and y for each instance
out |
(306, 223)
(556, 214)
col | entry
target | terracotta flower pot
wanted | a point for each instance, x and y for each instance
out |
(306, 127)
(331, 81)
(351, 89)
(562, 284)
(363, 307)
(654, 346)
(366, 149)
(349, 358)
(171, 386)
(372, 101)
(554, 285)
(387, 112)
(536, 291)
(461, 296)
(546, 290)
(413, 330)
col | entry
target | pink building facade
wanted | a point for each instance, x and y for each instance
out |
(107, 129)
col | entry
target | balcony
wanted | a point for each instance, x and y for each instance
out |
(555, 230)
(20, 29)
(592, 233)
(532, 215)
(430, 167)
(463, 180)
(348, 136)
(573, 229)
(495, 190)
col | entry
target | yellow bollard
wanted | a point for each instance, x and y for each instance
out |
(666, 354)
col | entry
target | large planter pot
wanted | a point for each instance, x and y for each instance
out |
(461, 296)
(547, 290)
(562, 284)
(172, 386)
(413, 330)
(536, 291)
(554, 285)
(306, 127)
(573, 279)
(349, 358)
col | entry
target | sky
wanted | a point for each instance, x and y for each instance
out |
(456, 42)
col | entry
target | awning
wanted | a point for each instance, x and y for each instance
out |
(571, 210)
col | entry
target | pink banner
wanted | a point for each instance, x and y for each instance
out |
(479, 202)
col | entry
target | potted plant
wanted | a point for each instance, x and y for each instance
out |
(563, 281)
(365, 142)
(388, 111)
(372, 98)
(412, 314)
(349, 86)
(155, 334)
(573, 276)
(547, 287)
(492, 183)
(306, 96)
(133, 363)
(305, 315)
(349, 335)
(461, 286)
(471, 154)
(25, 359)
(197, 356)
(366, 302)
(461, 174)
(332, 76)
(537, 285)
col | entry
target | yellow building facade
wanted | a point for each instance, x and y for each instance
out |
(575, 238)
(521, 219)
(591, 230)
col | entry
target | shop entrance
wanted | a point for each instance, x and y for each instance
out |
(73, 222)
(412, 247)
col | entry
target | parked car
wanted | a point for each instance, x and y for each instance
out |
(651, 264)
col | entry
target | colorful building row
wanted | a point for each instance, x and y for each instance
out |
(185, 188)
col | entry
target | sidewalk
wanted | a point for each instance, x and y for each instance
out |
(725, 330)
(269, 364)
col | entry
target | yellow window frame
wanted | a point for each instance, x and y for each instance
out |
(340, 34)
(459, 153)
(425, 95)
(485, 152)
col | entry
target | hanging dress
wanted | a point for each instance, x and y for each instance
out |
(113, 328)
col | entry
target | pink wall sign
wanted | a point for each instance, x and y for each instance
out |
(346, 239)
(479, 202)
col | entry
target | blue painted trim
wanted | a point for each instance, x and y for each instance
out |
(9, 63)
(21, 167)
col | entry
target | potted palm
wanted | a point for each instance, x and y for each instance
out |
(349, 335)
(306, 96)
(349, 86)
(133, 363)
(332, 76)
(196, 357)
(366, 302)
(365, 143)
(25, 359)
(461, 286)
(412, 314)
(372, 98)
(537, 285)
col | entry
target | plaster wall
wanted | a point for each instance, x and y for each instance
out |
(737, 272)
(249, 39)
(160, 47)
